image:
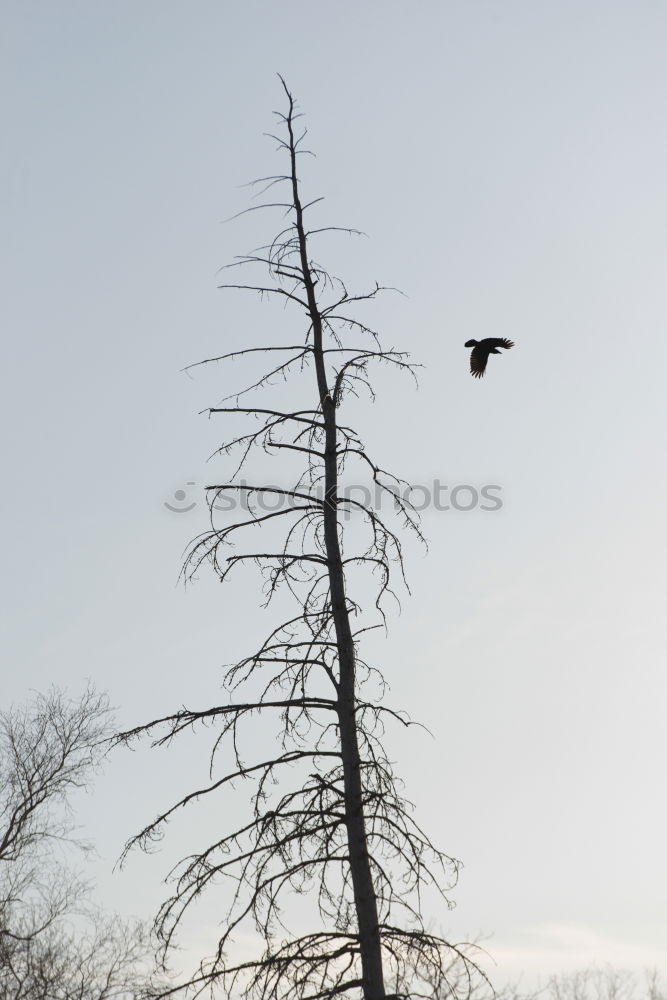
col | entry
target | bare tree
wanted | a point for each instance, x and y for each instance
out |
(596, 982)
(91, 958)
(327, 814)
(605, 983)
(53, 944)
(48, 749)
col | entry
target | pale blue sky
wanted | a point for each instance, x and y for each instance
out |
(508, 161)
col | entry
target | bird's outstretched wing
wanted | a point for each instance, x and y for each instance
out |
(498, 342)
(478, 358)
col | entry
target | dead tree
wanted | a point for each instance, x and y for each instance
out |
(327, 814)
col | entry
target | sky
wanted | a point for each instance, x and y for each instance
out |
(507, 160)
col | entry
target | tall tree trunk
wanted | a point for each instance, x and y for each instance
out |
(362, 879)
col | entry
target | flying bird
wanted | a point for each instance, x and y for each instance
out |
(481, 350)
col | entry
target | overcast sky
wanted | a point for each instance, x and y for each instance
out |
(507, 159)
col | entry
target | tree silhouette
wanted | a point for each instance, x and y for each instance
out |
(327, 817)
(53, 942)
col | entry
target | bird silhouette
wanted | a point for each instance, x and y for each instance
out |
(481, 350)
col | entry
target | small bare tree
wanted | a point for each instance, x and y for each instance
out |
(327, 814)
(605, 983)
(53, 944)
(48, 749)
